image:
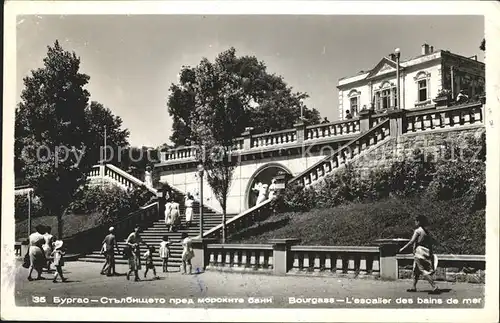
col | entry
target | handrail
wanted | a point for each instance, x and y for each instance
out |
(241, 246)
(448, 257)
(337, 151)
(332, 123)
(236, 218)
(362, 249)
(131, 178)
(446, 109)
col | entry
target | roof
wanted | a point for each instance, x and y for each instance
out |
(403, 62)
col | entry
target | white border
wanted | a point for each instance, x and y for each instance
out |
(490, 10)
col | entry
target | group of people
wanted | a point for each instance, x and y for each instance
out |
(133, 254)
(43, 250)
(264, 191)
(172, 212)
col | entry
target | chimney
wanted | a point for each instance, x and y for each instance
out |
(425, 49)
(432, 49)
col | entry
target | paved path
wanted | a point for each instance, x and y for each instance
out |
(86, 282)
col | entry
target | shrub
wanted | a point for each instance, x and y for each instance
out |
(21, 207)
(298, 199)
(109, 201)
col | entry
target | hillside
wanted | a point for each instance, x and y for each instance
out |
(458, 230)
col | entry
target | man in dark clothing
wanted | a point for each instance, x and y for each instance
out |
(348, 114)
(325, 120)
(108, 244)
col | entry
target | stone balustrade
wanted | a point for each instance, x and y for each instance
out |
(287, 136)
(337, 128)
(452, 268)
(235, 257)
(118, 176)
(344, 154)
(339, 261)
(463, 115)
(285, 256)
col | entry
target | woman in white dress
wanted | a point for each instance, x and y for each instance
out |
(272, 189)
(188, 204)
(48, 245)
(35, 252)
(174, 216)
(187, 254)
(168, 219)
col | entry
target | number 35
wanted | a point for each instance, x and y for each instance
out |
(39, 299)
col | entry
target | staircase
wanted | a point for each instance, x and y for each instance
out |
(153, 234)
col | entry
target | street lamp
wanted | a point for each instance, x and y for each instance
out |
(397, 51)
(200, 174)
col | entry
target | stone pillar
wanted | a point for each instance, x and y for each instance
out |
(389, 248)
(247, 138)
(396, 122)
(301, 131)
(200, 260)
(282, 257)
(365, 120)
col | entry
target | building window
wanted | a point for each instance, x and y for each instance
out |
(354, 106)
(422, 90)
(385, 98)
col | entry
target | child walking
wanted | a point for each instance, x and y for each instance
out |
(148, 255)
(58, 254)
(165, 252)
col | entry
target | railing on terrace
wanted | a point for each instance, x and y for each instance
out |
(283, 256)
(462, 115)
(336, 260)
(118, 176)
(465, 268)
(281, 137)
(337, 128)
(344, 154)
(237, 257)
(273, 139)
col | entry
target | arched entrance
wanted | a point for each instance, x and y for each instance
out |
(263, 175)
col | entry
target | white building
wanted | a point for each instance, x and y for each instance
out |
(421, 79)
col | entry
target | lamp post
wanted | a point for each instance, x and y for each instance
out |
(397, 51)
(200, 174)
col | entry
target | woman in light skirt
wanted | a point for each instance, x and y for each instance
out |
(423, 264)
(187, 254)
(188, 204)
(48, 246)
(168, 219)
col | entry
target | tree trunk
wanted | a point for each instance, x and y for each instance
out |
(224, 223)
(59, 224)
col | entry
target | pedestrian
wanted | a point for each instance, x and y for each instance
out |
(188, 205)
(348, 115)
(325, 120)
(187, 254)
(422, 242)
(134, 261)
(148, 259)
(58, 256)
(37, 259)
(174, 216)
(48, 245)
(168, 218)
(165, 252)
(108, 249)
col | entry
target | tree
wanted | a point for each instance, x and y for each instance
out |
(99, 119)
(57, 133)
(265, 100)
(218, 118)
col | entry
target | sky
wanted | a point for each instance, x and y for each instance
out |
(133, 59)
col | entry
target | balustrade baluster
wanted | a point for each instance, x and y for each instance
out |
(245, 259)
(478, 114)
(253, 259)
(466, 117)
(427, 122)
(270, 263)
(456, 118)
(261, 259)
(296, 261)
(339, 264)
(219, 258)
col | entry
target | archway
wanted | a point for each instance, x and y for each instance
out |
(263, 175)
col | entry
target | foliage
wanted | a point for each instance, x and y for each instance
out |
(459, 173)
(359, 224)
(57, 133)
(261, 100)
(21, 206)
(483, 45)
(109, 201)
